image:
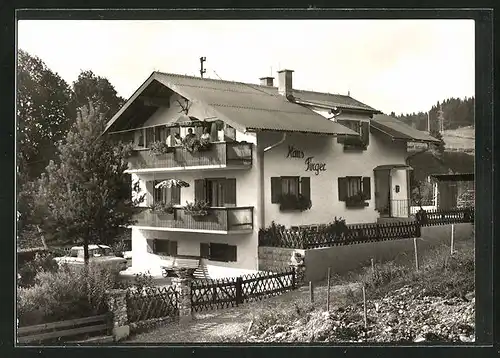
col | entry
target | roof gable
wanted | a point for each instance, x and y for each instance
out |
(245, 106)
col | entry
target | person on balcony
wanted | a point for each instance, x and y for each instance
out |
(205, 137)
(190, 137)
(177, 139)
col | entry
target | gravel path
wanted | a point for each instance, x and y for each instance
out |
(218, 325)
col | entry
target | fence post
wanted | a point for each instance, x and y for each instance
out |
(452, 239)
(311, 292)
(182, 286)
(116, 300)
(328, 292)
(416, 252)
(239, 290)
(364, 307)
(294, 277)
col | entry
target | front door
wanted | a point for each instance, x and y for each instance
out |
(383, 192)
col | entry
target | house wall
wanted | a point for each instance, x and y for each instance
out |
(324, 184)
(247, 194)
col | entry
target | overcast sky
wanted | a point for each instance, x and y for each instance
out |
(392, 65)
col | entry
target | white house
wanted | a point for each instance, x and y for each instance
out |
(273, 149)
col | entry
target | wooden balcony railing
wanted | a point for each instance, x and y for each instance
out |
(232, 154)
(218, 219)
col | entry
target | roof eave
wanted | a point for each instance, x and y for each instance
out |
(255, 130)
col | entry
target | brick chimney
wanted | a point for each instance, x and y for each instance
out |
(267, 81)
(285, 83)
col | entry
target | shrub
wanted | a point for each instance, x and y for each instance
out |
(198, 208)
(42, 262)
(65, 294)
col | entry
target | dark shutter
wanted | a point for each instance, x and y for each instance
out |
(173, 248)
(151, 246)
(365, 133)
(176, 195)
(204, 250)
(342, 189)
(275, 189)
(199, 190)
(157, 131)
(305, 187)
(366, 188)
(231, 255)
(341, 139)
(230, 192)
(150, 134)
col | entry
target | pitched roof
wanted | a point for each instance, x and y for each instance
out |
(400, 131)
(426, 164)
(251, 107)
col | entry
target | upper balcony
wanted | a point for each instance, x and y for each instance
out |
(220, 220)
(220, 155)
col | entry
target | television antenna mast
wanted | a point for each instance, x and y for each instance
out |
(202, 70)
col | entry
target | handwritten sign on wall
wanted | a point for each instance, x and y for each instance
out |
(311, 165)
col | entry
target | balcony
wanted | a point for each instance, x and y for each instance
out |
(220, 220)
(220, 155)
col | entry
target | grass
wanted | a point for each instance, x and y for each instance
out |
(440, 274)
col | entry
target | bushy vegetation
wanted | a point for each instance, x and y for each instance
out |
(42, 262)
(69, 293)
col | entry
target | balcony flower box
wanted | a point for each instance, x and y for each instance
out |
(294, 202)
(160, 148)
(165, 211)
(197, 209)
(356, 201)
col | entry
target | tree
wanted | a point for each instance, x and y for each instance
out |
(439, 148)
(89, 87)
(85, 197)
(44, 110)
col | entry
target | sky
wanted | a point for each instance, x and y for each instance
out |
(403, 66)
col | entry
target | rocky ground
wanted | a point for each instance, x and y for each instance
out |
(404, 315)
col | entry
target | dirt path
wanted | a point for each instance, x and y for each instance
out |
(219, 325)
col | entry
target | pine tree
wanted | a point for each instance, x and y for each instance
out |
(85, 197)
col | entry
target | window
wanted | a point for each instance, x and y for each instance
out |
(354, 190)
(361, 127)
(218, 252)
(167, 195)
(165, 247)
(289, 186)
(218, 192)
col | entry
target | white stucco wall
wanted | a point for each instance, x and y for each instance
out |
(324, 185)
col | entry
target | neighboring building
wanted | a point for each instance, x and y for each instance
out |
(273, 150)
(428, 166)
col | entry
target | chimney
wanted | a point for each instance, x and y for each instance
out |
(285, 83)
(267, 81)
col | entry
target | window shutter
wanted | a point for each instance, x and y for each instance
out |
(199, 190)
(365, 132)
(230, 191)
(150, 133)
(305, 187)
(213, 132)
(366, 188)
(231, 255)
(173, 248)
(151, 249)
(204, 250)
(342, 182)
(341, 139)
(275, 189)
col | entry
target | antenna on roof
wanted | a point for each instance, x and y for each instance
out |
(202, 70)
(349, 93)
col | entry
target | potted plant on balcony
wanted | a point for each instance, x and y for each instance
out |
(162, 209)
(198, 208)
(159, 148)
(356, 201)
(289, 202)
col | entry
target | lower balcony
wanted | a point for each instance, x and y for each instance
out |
(220, 220)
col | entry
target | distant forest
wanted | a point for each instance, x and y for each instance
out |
(456, 113)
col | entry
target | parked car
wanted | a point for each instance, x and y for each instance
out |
(98, 254)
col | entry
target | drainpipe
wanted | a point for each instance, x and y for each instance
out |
(276, 144)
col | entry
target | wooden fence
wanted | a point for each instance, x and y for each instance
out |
(95, 325)
(445, 217)
(152, 302)
(323, 236)
(229, 292)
